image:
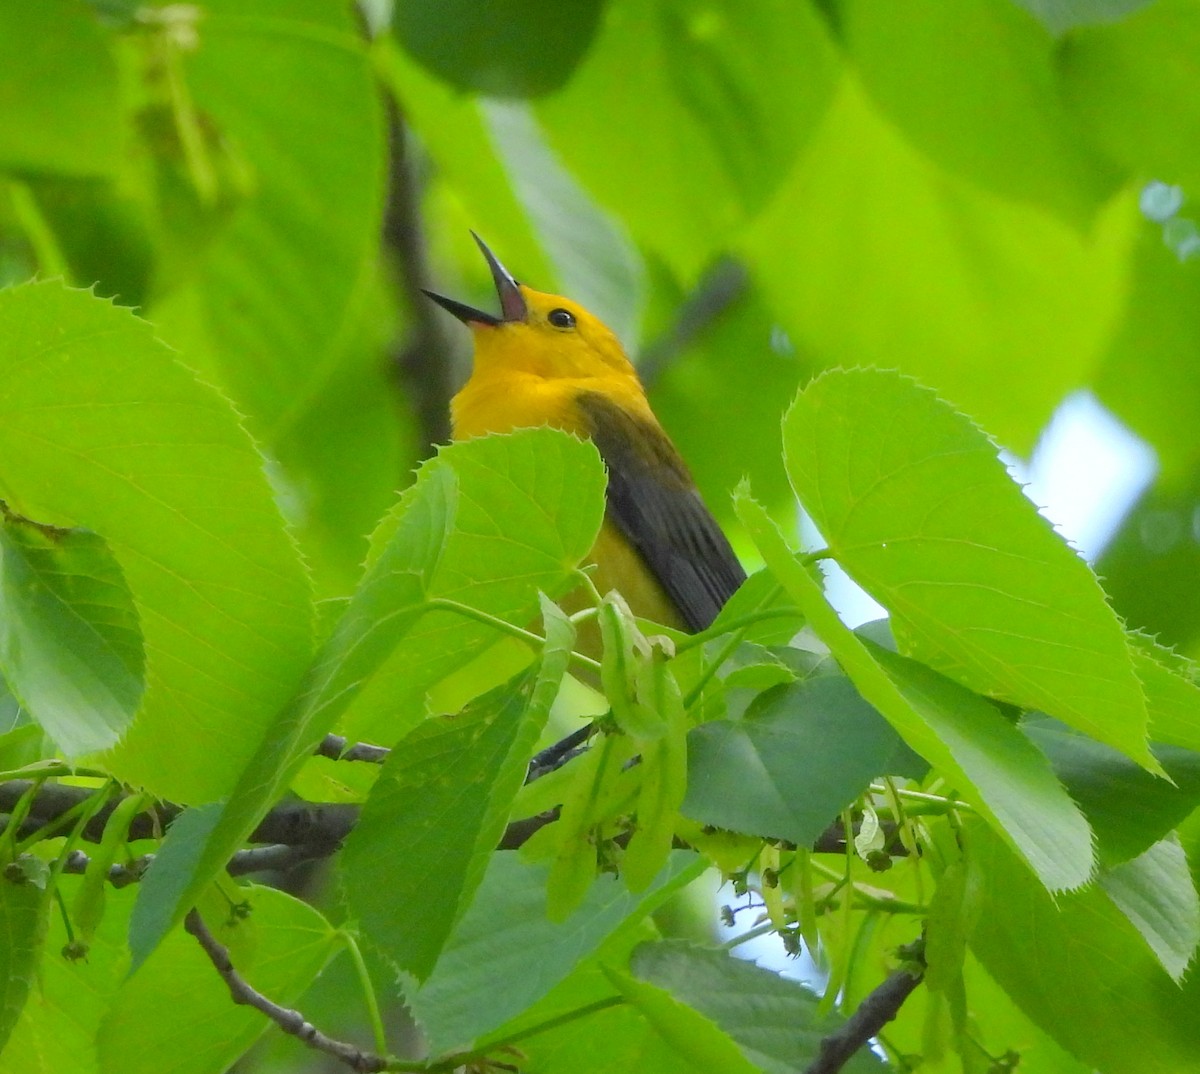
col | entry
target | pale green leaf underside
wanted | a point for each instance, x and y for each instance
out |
(70, 646)
(987, 760)
(915, 504)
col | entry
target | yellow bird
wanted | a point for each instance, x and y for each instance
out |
(547, 361)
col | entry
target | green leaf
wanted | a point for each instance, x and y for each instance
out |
(1132, 84)
(439, 807)
(1172, 693)
(800, 754)
(24, 907)
(925, 519)
(91, 1017)
(1156, 892)
(951, 110)
(504, 49)
(618, 1038)
(280, 947)
(1152, 565)
(506, 936)
(1121, 1012)
(170, 886)
(70, 646)
(985, 758)
(693, 1036)
(60, 109)
(1165, 397)
(264, 307)
(775, 1022)
(1127, 808)
(100, 427)
(872, 255)
(535, 504)
(691, 141)
(459, 532)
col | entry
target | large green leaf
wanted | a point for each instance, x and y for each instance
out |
(1133, 85)
(101, 427)
(506, 936)
(1128, 809)
(467, 528)
(966, 83)
(70, 646)
(674, 122)
(777, 1023)
(871, 255)
(984, 757)
(508, 48)
(90, 1017)
(799, 755)
(267, 307)
(439, 807)
(924, 517)
(59, 101)
(1079, 969)
(279, 946)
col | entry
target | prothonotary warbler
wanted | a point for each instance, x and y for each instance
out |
(546, 361)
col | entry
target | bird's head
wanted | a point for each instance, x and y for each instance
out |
(538, 333)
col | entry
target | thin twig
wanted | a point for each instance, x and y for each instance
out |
(336, 748)
(879, 1008)
(290, 1021)
(717, 291)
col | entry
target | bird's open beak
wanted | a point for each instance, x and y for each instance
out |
(512, 302)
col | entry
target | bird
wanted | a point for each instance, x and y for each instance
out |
(546, 361)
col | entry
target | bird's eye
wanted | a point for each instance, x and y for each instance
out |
(561, 318)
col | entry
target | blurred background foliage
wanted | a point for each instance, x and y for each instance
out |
(748, 193)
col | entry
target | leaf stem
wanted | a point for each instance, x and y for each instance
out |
(505, 627)
(368, 989)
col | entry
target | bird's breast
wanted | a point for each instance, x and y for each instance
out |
(500, 404)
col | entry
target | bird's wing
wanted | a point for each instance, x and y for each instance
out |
(653, 501)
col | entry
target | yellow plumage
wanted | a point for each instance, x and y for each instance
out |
(547, 361)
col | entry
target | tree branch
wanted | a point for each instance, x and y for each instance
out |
(879, 1008)
(423, 363)
(290, 1021)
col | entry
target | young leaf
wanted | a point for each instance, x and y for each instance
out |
(507, 936)
(800, 754)
(438, 809)
(535, 503)
(986, 759)
(70, 645)
(774, 1021)
(691, 1034)
(281, 946)
(925, 519)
